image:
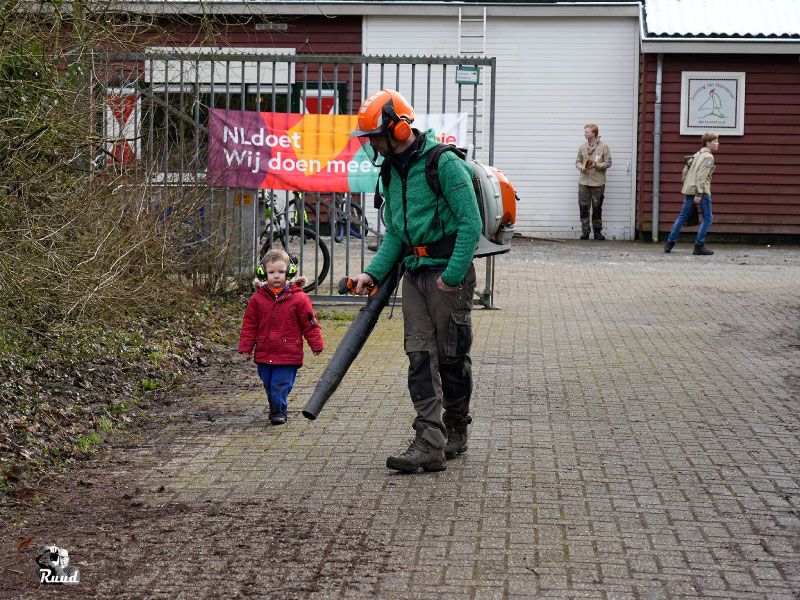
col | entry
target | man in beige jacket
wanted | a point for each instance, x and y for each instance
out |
(594, 158)
(697, 193)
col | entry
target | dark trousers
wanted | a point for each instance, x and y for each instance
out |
(278, 381)
(591, 197)
(437, 339)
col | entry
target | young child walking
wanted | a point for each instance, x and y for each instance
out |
(278, 316)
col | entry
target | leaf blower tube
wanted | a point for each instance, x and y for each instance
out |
(353, 340)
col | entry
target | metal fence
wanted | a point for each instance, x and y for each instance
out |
(154, 125)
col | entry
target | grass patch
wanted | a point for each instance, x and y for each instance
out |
(149, 385)
(336, 314)
(87, 442)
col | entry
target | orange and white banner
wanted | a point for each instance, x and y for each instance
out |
(305, 152)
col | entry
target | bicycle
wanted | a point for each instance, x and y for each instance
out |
(283, 230)
(331, 209)
(354, 218)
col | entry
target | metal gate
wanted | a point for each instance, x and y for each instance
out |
(155, 126)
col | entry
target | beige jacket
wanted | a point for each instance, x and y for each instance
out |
(601, 155)
(697, 173)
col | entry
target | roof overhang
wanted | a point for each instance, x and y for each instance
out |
(718, 46)
(325, 8)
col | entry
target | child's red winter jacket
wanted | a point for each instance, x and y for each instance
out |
(276, 326)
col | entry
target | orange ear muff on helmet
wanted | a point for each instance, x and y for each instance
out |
(401, 126)
(401, 130)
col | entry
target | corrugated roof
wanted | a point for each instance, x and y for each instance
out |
(324, 2)
(722, 18)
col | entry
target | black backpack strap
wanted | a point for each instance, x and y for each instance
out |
(432, 175)
(385, 178)
(432, 165)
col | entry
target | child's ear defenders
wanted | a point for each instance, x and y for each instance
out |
(291, 271)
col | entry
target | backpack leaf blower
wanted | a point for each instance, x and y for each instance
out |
(352, 342)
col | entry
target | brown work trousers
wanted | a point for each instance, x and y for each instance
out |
(437, 339)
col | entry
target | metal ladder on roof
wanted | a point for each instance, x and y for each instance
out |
(472, 43)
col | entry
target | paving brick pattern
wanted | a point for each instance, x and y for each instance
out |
(636, 435)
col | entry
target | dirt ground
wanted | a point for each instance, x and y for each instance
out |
(258, 547)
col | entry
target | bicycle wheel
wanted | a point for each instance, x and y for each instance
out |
(358, 223)
(302, 244)
(359, 226)
(338, 231)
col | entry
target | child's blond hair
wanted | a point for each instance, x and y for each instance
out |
(275, 254)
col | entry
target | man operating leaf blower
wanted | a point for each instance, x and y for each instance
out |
(438, 234)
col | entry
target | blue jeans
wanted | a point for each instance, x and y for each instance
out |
(278, 381)
(705, 210)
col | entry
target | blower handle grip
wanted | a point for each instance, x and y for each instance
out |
(347, 285)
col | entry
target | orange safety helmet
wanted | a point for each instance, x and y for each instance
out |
(382, 110)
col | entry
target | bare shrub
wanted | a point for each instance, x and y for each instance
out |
(79, 238)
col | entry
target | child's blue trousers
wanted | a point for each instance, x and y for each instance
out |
(278, 382)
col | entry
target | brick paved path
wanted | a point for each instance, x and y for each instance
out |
(636, 435)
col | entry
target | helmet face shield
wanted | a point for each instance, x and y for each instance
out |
(368, 127)
(366, 133)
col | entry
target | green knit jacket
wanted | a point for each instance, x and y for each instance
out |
(410, 213)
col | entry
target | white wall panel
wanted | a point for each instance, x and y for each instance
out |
(554, 75)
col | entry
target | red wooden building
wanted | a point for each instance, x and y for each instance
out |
(329, 34)
(304, 34)
(756, 185)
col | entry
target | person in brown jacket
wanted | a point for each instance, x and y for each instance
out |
(697, 190)
(594, 158)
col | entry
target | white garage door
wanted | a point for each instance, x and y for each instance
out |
(554, 75)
